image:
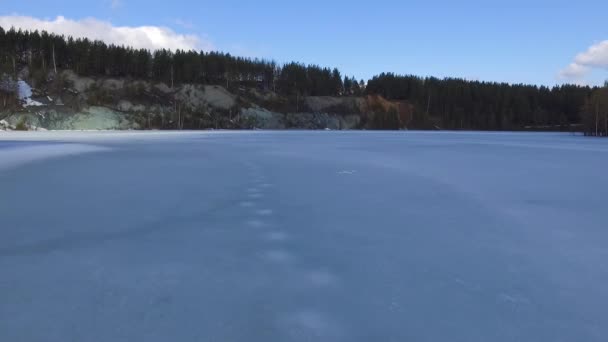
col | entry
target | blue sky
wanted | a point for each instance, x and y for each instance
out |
(514, 41)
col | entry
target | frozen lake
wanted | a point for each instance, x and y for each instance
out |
(303, 236)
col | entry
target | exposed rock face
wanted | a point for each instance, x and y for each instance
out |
(219, 97)
(79, 83)
(91, 118)
(127, 106)
(262, 118)
(70, 101)
(329, 104)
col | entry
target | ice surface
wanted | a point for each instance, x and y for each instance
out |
(17, 154)
(354, 236)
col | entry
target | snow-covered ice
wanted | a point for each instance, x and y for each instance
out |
(23, 153)
(303, 236)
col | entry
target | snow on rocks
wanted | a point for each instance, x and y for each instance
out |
(25, 94)
(5, 126)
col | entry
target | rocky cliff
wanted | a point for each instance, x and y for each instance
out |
(67, 101)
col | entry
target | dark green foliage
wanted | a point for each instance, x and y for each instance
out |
(385, 120)
(97, 59)
(312, 80)
(437, 103)
(21, 125)
(352, 86)
(595, 113)
(8, 92)
(97, 96)
(462, 104)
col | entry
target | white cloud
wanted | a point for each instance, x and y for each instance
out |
(574, 71)
(147, 37)
(595, 57)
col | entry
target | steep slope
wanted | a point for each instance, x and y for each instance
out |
(69, 101)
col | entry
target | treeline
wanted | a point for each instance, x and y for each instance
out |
(43, 51)
(461, 104)
(595, 113)
(437, 103)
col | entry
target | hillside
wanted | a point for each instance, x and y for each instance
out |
(69, 101)
(84, 84)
